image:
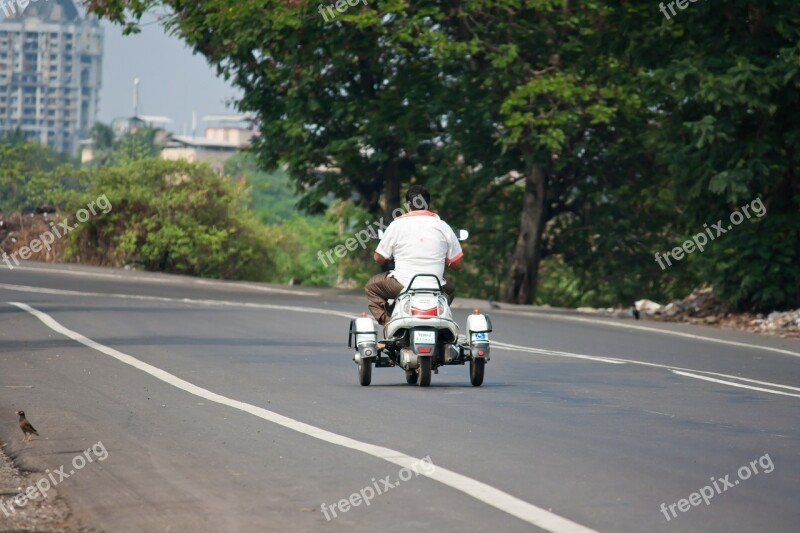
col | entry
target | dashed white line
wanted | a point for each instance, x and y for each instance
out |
(662, 331)
(480, 491)
(678, 370)
(748, 380)
(513, 347)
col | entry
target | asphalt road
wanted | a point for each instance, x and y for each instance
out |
(235, 407)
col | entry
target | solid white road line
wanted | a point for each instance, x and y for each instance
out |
(156, 279)
(485, 493)
(207, 303)
(662, 331)
(131, 277)
(732, 384)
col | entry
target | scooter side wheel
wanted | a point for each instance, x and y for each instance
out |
(411, 377)
(476, 372)
(365, 371)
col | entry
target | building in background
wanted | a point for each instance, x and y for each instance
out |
(50, 73)
(224, 136)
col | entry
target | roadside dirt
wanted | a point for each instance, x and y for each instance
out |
(703, 308)
(18, 230)
(41, 515)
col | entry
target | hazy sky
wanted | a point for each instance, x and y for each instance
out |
(173, 81)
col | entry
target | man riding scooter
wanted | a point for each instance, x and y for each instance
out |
(419, 242)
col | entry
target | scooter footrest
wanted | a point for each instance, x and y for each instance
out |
(383, 362)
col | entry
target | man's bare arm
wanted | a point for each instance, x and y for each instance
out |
(458, 264)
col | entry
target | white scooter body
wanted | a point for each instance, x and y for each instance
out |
(421, 336)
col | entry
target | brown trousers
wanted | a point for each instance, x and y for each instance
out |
(381, 288)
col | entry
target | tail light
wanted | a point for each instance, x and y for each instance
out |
(424, 306)
(424, 312)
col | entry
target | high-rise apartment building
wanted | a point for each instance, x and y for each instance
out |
(50, 66)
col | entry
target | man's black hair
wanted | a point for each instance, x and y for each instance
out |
(418, 198)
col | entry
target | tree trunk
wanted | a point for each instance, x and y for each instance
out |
(523, 263)
(392, 188)
(392, 183)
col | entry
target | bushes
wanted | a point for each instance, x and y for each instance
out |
(171, 216)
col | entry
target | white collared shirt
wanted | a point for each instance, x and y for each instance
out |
(421, 243)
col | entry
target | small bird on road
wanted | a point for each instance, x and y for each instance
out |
(26, 427)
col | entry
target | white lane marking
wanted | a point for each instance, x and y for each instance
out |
(664, 331)
(675, 369)
(208, 303)
(155, 279)
(94, 274)
(751, 380)
(528, 349)
(480, 491)
(732, 384)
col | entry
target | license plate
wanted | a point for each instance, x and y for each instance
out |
(424, 337)
(424, 302)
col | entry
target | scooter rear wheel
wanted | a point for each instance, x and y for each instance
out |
(424, 373)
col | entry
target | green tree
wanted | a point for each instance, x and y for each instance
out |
(28, 172)
(722, 81)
